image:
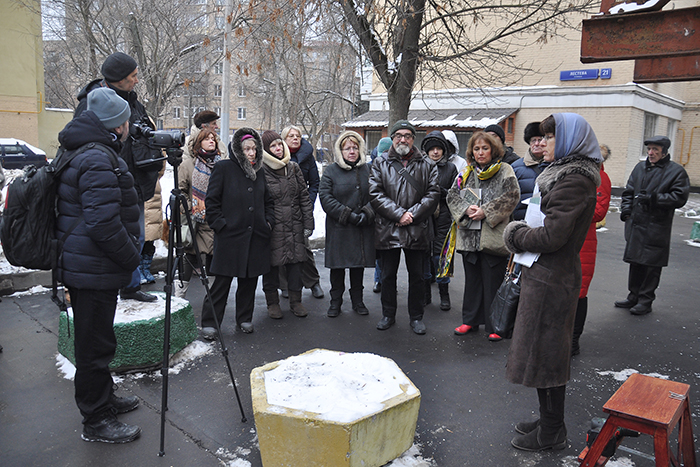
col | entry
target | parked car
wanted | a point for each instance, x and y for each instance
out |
(15, 154)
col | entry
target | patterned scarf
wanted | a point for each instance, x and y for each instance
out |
(445, 266)
(200, 183)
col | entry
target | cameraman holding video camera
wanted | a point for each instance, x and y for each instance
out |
(120, 73)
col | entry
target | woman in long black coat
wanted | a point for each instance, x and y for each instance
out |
(241, 213)
(540, 352)
(344, 194)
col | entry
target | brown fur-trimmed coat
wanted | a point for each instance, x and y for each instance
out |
(540, 350)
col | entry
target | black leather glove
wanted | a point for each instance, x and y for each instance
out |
(363, 220)
(643, 198)
(354, 218)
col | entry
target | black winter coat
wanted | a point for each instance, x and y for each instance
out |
(648, 227)
(239, 209)
(305, 158)
(144, 178)
(391, 195)
(102, 251)
(447, 172)
(345, 190)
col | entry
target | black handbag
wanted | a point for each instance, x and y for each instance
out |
(505, 303)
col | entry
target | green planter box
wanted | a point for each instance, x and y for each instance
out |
(139, 341)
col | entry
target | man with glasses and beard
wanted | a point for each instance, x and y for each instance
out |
(404, 194)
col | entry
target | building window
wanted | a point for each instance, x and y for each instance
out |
(219, 20)
(649, 130)
(176, 112)
(241, 113)
(219, 68)
(185, 112)
(241, 90)
(217, 111)
(217, 90)
(510, 125)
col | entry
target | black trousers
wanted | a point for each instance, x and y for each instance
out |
(186, 273)
(95, 344)
(245, 300)
(309, 273)
(642, 283)
(338, 285)
(416, 287)
(483, 274)
(271, 280)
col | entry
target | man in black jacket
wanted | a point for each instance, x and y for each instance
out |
(120, 73)
(98, 205)
(655, 189)
(404, 193)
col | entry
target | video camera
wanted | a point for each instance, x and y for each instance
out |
(158, 138)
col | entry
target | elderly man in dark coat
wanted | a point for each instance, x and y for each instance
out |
(241, 213)
(344, 195)
(404, 193)
(656, 187)
(540, 352)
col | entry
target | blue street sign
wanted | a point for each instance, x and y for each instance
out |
(605, 73)
(572, 75)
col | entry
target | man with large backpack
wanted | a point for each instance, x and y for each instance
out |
(97, 200)
(120, 73)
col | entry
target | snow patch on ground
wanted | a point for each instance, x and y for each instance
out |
(412, 458)
(37, 289)
(626, 373)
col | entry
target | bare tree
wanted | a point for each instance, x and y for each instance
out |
(173, 42)
(305, 68)
(434, 43)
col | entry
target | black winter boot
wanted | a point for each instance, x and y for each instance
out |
(334, 308)
(428, 293)
(551, 431)
(444, 297)
(579, 321)
(105, 428)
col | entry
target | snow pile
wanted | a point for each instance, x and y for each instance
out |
(340, 387)
(626, 373)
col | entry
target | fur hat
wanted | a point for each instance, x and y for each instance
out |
(118, 66)
(402, 125)
(205, 116)
(532, 129)
(111, 109)
(268, 137)
(498, 130)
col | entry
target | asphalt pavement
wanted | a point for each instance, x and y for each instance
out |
(468, 408)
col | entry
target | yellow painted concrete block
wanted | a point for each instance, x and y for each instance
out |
(297, 438)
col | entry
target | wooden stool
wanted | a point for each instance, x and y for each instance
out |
(653, 406)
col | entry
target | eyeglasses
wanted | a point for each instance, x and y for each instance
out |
(404, 136)
(546, 138)
(536, 140)
(351, 148)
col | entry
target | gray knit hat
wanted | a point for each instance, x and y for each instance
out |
(111, 109)
(118, 66)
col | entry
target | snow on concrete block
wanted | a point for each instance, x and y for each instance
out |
(139, 329)
(325, 408)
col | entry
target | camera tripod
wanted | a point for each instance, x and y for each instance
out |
(175, 263)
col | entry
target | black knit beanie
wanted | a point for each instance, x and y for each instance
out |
(118, 66)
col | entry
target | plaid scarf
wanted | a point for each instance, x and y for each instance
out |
(200, 184)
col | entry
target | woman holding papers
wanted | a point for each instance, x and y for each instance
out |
(481, 201)
(540, 351)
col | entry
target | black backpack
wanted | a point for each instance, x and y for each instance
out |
(29, 218)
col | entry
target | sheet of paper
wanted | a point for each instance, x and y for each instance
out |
(534, 218)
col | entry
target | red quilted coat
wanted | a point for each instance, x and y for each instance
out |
(590, 246)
